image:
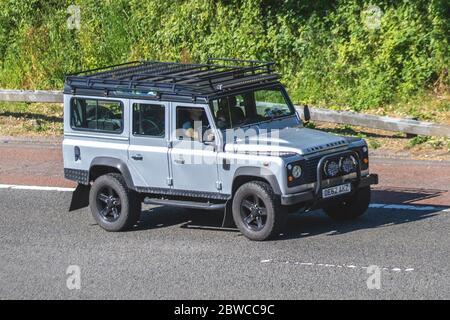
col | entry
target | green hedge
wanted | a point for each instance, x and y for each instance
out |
(324, 49)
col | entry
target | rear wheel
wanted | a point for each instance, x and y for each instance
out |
(257, 211)
(350, 208)
(113, 205)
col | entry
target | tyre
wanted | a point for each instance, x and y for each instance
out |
(350, 208)
(113, 205)
(257, 211)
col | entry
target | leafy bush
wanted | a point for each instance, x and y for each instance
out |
(324, 49)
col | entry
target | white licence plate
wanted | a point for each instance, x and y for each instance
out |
(337, 190)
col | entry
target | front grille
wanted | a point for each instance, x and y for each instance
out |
(309, 166)
(311, 170)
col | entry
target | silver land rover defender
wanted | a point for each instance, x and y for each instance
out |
(217, 136)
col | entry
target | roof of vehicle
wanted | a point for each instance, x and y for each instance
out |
(173, 81)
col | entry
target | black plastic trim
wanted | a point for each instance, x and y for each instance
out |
(183, 193)
(296, 198)
(259, 172)
(185, 204)
(117, 164)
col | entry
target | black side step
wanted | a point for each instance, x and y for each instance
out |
(185, 204)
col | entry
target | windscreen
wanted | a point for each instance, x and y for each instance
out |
(250, 108)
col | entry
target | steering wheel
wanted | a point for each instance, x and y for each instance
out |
(149, 127)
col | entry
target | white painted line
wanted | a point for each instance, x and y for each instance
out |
(409, 207)
(35, 188)
(372, 205)
(376, 205)
(326, 265)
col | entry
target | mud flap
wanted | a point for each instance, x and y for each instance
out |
(80, 197)
(228, 221)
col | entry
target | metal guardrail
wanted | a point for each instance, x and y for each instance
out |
(317, 114)
(31, 96)
(379, 122)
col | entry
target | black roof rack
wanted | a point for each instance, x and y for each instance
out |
(157, 79)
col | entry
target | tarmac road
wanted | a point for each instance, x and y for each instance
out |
(165, 257)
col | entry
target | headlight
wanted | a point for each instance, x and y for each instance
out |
(331, 168)
(296, 172)
(348, 164)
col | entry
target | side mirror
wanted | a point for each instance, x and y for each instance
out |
(209, 138)
(306, 113)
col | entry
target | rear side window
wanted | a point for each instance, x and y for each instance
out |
(96, 115)
(149, 120)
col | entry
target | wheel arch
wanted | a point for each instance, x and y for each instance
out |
(247, 174)
(104, 165)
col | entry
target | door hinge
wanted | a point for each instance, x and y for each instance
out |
(219, 185)
(170, 181)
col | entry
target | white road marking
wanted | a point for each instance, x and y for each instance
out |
(406, 207)
(376, 205)
(35, 188)
(409, 207)
(350, 266)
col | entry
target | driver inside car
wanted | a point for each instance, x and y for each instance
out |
(191, 130)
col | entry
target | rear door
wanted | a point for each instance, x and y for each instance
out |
(148, 151)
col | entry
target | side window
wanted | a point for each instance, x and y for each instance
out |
(229, 112)
(149, 120)
(192, 123)
(96, 115)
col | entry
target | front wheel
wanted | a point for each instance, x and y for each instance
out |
(350, 208)
(257, 211)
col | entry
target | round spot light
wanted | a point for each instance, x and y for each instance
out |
(331, 168)
(348, 164)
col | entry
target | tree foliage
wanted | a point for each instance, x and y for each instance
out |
(326, 51)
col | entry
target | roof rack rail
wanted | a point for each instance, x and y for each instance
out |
(205, 80)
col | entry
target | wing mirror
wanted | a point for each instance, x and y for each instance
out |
(209, 138)
(306, 113)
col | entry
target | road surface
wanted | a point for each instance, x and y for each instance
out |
(177, 254)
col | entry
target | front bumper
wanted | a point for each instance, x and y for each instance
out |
(314, 195)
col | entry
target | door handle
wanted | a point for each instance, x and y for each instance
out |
(137, 157)
(179, 161)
